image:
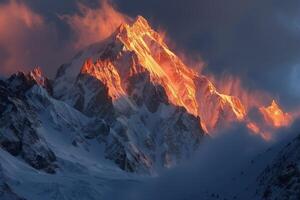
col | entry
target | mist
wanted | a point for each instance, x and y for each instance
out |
(226, 166)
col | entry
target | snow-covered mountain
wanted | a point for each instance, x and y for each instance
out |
(94, 116)
(126, 104)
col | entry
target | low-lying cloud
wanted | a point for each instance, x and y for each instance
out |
(225, 167)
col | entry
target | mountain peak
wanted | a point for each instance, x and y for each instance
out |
(137, 28)
(104, 71)
(135, 49)
(38, 76)
(274, 115)
(141, 22)
(87, 67)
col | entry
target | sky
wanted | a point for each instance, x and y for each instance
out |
(257, 41)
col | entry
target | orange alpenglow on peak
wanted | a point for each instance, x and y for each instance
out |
(106, 73)
(135, 48)
(139, 26)
(274, 115)
(37, 75)
(88, 66)
(272, 118)
(141, 23)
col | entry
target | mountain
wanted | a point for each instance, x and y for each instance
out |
(125, 104)
(91, 116)
(132, 118)
(134, 58)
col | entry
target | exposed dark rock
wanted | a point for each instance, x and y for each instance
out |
(92, 97)
(18, 124)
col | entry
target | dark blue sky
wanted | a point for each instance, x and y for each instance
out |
(256, 40)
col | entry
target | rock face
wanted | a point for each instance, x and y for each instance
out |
(18, 126)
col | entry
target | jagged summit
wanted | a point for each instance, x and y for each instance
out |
(38, 76)
(104, 71)
(141, 21)
(21, 81)
(135, 49)
(135, 56)
(139, 25)
(274, 115)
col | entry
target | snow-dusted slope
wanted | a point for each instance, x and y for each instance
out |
(6, 193)
(49, 148)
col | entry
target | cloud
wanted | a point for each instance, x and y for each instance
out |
(93, 25)
(17, 22)
(212, 170)
(233, 85)
(48, 34)
(27, 40)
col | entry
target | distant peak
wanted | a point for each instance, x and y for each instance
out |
(87, 66)
(275, 115)
(37, 71)
(274, 108)
(104, 71)
(38, 76)
(274, 104)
